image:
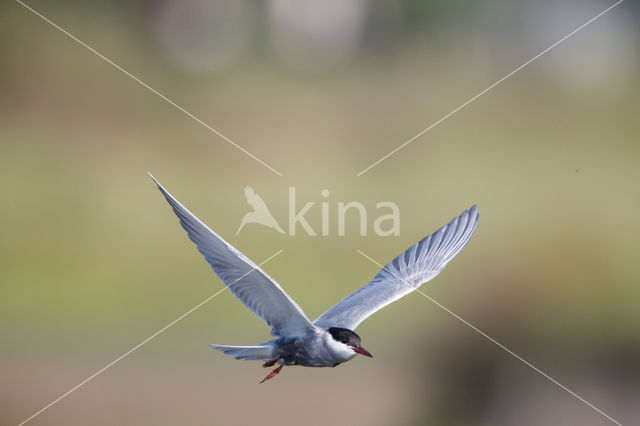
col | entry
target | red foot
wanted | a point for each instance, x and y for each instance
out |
(270, 363)
(273, 373)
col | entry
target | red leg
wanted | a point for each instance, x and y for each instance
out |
(270, 363)
(273, 373)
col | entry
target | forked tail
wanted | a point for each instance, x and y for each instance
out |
(249, 353)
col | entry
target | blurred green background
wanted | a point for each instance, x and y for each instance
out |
(92, 260)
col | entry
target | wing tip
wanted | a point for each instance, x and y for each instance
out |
(160, 187)
(164, 192)
(473, 210)
(473, 213)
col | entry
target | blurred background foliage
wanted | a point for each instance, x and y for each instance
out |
(92, 260)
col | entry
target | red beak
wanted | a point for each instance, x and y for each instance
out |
(362, 351)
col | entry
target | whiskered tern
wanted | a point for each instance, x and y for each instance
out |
(329, 340)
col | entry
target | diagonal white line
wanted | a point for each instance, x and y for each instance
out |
(145, 85)
(64, 395)
(488, 88)
(500, 345)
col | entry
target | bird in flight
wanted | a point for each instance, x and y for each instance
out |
(329, 340)
(260, 213)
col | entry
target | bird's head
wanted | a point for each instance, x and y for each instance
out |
(349, 338)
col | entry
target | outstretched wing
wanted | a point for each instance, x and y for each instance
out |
(254, 287)
(420, 263)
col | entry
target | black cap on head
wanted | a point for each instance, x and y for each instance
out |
(345, 336)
